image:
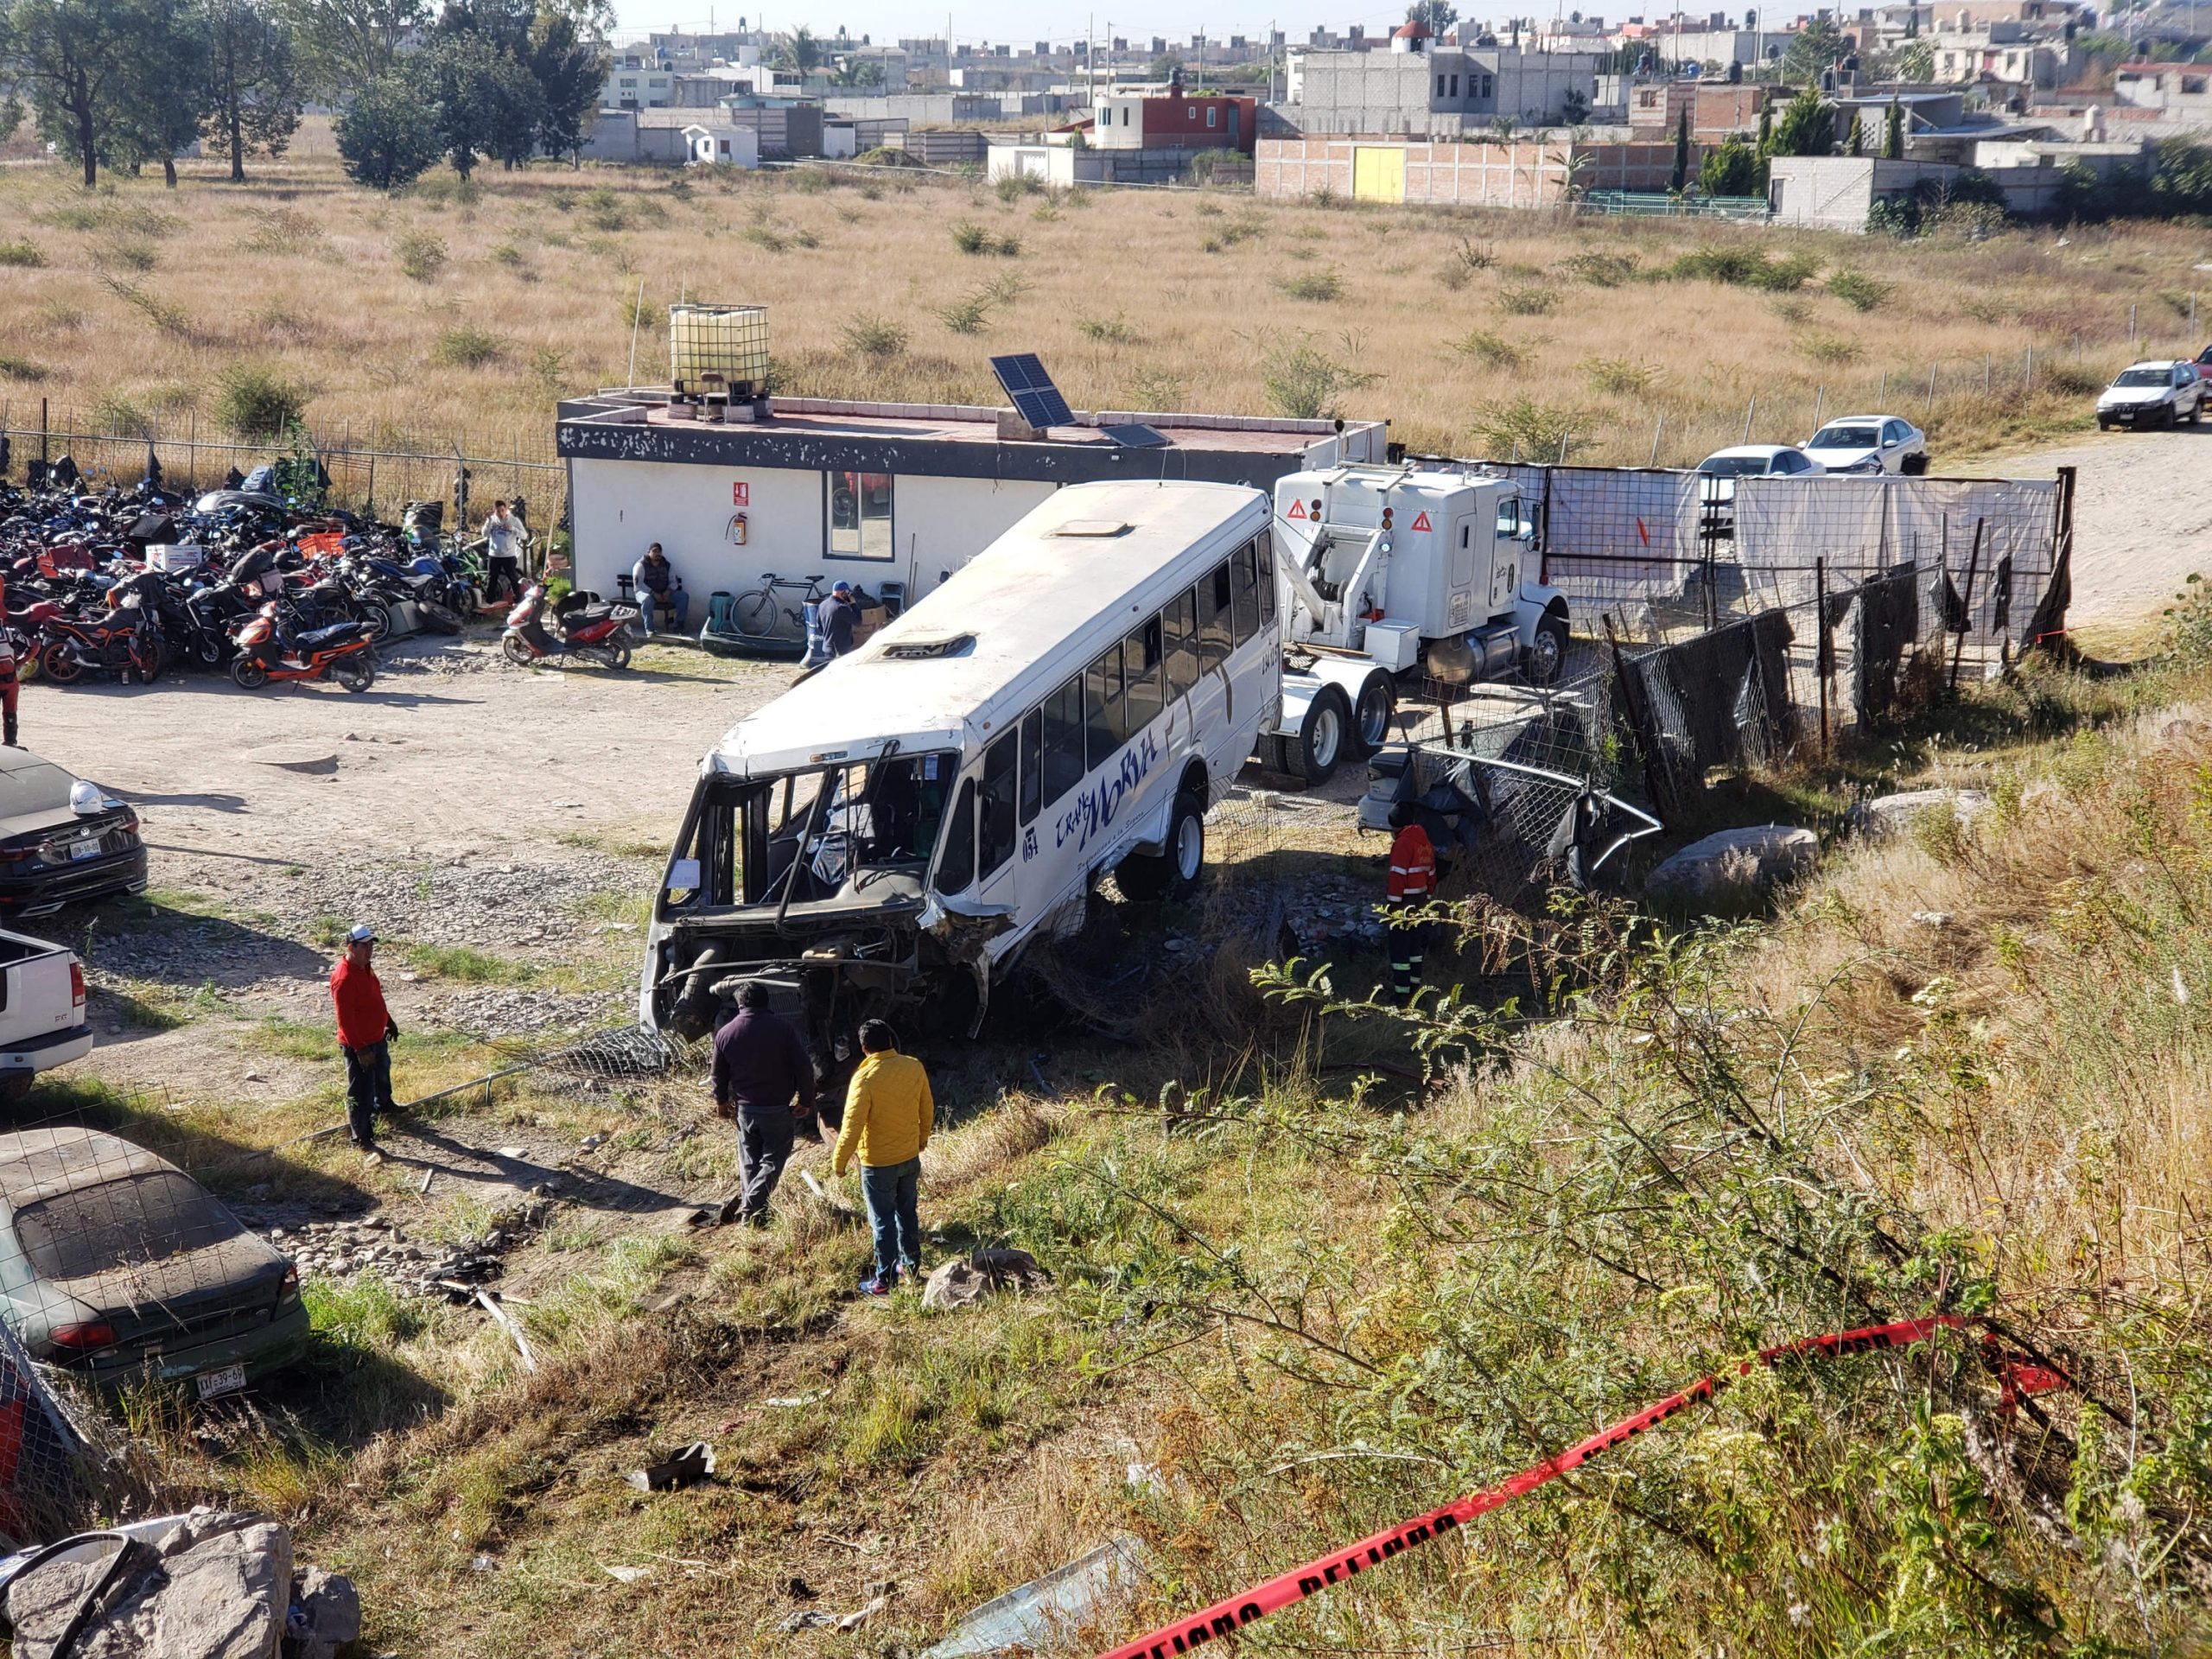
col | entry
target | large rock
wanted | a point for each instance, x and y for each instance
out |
(1734, 865)
(203, 1585)
(1894, 815)
(325, 1613)
(967, 1279)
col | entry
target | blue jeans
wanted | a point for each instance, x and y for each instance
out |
(678, 601)
(892, 1191)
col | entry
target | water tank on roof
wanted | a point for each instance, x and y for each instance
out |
(718, 350)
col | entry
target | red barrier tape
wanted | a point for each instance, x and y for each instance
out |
(1225, 1617)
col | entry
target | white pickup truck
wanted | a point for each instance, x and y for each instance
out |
(41, 1011)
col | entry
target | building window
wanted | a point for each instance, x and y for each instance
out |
(1210, 116)
(629, 80)
(860, 515)
(1455, 85)
(1440, 86)
(1194, 113)
(1485, 85)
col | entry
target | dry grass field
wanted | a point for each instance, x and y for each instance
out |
(450, 310)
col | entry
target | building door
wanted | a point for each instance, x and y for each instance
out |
(1379, 173)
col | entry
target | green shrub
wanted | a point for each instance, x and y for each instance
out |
(1304, 382)
(1485, 346)
(252, 402)
(639, 313)
(1832, 349)
(873, 336)
(1525, 430)
(1526, 300)
(967, 316)
(1319, 285)
(1745, 268)
(421, 255)
(1015, 185)
(130, 254)
(21, 369)
(468, 348)
(970, 238)
(1599, 269)
(21, 255)
(1857, 290)
(1106, 331)
(1619, 375)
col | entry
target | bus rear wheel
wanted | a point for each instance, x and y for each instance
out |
(1149, 877)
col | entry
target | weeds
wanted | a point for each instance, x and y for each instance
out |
(1527, 300)
(1599, 269)
(252, 402)
(1524, 429)
(1493, 350)
(871, 335)
(20, 370)
(1857, 290)
(639, 313)
(422, 255)
(1834, 350)
(1302, 380)
(967, 315)
(167, 318)
(971, 238)
(21, 255)
(1619, 375)
(1745, 268)
(468, 348)
(1106, 331)
(1320, 286)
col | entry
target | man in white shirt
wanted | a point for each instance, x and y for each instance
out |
(503, 533)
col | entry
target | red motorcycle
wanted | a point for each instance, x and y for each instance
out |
(122, 643)
(344, 651)
(597, 633)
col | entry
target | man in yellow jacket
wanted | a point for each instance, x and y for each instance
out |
(888, 1115)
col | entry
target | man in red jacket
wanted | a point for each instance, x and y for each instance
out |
(1411, 886)
(365, 1028)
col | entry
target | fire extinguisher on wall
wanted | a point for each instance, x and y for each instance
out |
(736, 532)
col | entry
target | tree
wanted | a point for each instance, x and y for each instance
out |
(80, 62)
(1437, 14)
(385, 135)
(165, 90)
(1893, 133)
(1814, 50)
(569, 71)
(1574, 106)
(1854, 144)
(253, 102)
(1682, 173)
(1807, 126)
(1766, 129)
(1734, 169)
(343, 45)
(1915, 61)
(801, 54)
(480, 101)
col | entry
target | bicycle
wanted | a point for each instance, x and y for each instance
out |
(759, 616)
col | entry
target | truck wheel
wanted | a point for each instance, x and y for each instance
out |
(1371, 715)
(1322, 735)
(15, 1086)
(1546, 656)
(1148, 877)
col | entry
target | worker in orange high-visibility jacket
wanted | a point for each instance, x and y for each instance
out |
(1412, 884)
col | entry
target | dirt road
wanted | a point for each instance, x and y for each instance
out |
(2142, 521)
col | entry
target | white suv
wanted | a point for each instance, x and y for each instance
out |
(2161, 392)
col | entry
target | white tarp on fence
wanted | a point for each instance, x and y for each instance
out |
(1614, 533)
(1994, 538)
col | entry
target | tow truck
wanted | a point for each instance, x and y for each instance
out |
(1384, 570)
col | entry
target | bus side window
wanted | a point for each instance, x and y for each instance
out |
(1064, 766)
(1101, 684)
(1247, 601)
(1141, 655)
(1180, 622)
(1213, 618)
(957, 869)
(1032, 764)
(994, 842)
(1266, 549)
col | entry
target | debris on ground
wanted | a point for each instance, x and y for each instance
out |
(967, 1279)
(206, 1584)
(1043, 1613)
(686, 1467)
(1734, 865)
(340, 1248)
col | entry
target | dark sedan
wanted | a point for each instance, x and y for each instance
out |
(62, 840)
(120, 1266)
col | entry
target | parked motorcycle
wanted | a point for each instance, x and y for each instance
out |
(343, 651)
(597, 633)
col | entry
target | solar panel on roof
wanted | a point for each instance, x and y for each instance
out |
(1134, 434)
(1034, 396)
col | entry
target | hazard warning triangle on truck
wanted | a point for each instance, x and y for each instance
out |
(1297, 510)
(1421, 522)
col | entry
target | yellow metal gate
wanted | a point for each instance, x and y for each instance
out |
(1379, 173)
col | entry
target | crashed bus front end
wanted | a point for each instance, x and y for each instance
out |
(810, 875)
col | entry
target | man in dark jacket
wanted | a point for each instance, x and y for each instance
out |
(840, 616)
(760, 1065)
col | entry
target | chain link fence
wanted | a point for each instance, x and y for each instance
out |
(375, 472)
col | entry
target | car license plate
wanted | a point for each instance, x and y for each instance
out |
(83, 849)
(212, 1384)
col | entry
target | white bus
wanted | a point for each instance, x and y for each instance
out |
(887, 836)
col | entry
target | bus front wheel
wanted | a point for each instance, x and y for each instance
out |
(1147, 877)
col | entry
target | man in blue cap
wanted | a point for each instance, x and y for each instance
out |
(839, 617)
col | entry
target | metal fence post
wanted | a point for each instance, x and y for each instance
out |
(1965, 605)
(1750, 409)
(1658, 427)
(1824, 653)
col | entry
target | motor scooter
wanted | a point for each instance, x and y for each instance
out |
(344, 651)
(597, 633)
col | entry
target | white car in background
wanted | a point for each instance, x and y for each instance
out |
(1870, 444)
(2161, 392)
(1720, 470)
